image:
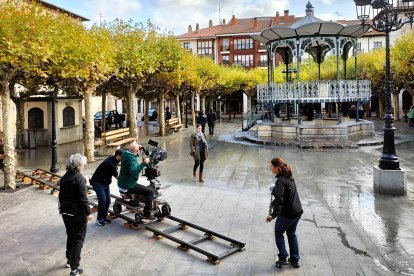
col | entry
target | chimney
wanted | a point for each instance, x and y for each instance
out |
(197, 27)
(233, 20)
(190, 29)
(286, 15)
(255, 23)
(224, 21)
(210, 23)
(309, 9)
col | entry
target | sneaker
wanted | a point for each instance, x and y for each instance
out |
(77, 271)
(279, 263)
(149, 217)
(107, 221)
(294, 263)
(67, 264)
(101, 222)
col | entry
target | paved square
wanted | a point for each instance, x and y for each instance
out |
(345, 228)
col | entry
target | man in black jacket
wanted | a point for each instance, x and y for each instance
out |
(101, 180)
(211, 121)
(75, 210)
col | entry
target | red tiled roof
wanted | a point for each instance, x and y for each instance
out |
(201, 33)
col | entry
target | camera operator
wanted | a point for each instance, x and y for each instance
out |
(128, 177)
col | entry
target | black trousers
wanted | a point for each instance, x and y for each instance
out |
(200, 162)
(411, 124)
(76, 227)
(211, 129)
(148, 193)
(203, 127)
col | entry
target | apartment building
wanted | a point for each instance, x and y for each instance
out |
(231, 43)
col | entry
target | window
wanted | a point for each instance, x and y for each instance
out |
(226, 45)
(35, 118)
(186, 45)
(262, 46)
(205, 47)
(377, 44)
(263, 61)
(68, 116)
(225, 60)
(244, 60)
(245, 43)
(358, 47)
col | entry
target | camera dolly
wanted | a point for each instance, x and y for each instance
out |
(135, 202)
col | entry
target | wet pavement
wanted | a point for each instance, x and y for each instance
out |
(345, 228)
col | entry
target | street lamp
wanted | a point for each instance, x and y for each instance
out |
(54, 168)
(386, 18)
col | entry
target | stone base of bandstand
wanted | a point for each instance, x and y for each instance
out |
(390, 182)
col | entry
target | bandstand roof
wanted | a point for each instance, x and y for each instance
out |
(310, 26)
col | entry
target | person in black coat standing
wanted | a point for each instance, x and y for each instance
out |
(211, 121)
(287, 209)
(202, 120)
(75, 210)
(100, 181)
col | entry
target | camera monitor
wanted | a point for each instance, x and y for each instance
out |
(153, 143)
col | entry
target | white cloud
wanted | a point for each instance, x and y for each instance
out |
(109, 10)
(176, 15)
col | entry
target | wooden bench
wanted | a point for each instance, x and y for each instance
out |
(111, 140)
(173, 124)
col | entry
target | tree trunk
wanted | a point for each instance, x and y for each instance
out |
(396, 106)
(381, 102)
(89, 134)
(1, 116)
(193, 115)
(249, 103)
(131, 112)
(146, 108)
(203, 104)
(9, 160)
(161, 118)
(103, 117)
(19, 102)
(178, 108)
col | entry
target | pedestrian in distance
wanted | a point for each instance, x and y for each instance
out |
(287, 209)
(411, 117)
(202, 120)
(167, 113)
(199, 151)
(1, 157)
(75, 210)
(211, 121)
(100, 181)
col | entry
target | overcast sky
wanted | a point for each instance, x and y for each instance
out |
(176, 15)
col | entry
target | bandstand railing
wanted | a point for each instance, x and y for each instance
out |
(315, 91)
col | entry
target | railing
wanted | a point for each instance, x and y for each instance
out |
(224, 48)
(258, 112)
(315, 91)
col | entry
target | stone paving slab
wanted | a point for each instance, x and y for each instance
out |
(345, 229)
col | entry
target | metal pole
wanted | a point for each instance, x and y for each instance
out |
(356, 77)
(389, 159)
(337, 79)
(54, 168)
(186, 117)
(298, 83)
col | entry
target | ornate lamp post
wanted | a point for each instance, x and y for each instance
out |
(386, 18)
(54, 168)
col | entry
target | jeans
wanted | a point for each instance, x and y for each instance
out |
(104, 199)
(76, 227)
(287, 225)
(146, 192)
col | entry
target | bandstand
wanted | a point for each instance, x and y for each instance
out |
(312, 37)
